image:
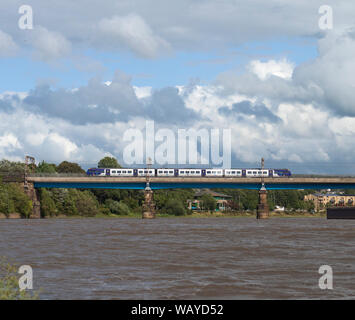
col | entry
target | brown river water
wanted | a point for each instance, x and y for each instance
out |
(183, 258)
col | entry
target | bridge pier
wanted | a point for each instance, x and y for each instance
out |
(32, 193)
(148, 205)
(263, 207)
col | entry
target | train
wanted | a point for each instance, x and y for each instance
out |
(165, 172)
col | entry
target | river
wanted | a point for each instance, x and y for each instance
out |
(183, 258)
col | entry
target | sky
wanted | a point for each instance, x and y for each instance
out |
(276, 73)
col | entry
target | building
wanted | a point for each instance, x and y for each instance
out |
(322, 200)
(221, 199)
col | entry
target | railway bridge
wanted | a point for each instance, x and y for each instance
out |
(154, 183)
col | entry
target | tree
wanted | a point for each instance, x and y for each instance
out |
(109, 162)
(208, 202)
(12, 167)
(117, 207)
(85, 202)
(69, 167)
(44, 167)
(22, 203)
(48, 207)
(175, 207)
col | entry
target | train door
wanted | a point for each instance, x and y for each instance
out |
(176, 172)
(203, 172)
(107, 172)
(244, 173)
(270, 173)
(135, 172)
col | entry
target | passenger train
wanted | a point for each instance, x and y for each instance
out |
(163, 172)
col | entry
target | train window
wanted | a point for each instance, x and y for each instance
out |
(208, 172)
(113, 171)
(171, 171)
(233, 172)
(192, 171)
(182, 171)
(254, 172)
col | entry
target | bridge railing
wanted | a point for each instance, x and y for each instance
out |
(57, 175)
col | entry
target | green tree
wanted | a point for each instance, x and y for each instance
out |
(48, 207)
(69, 167)
(44, 167)
(117, 207)
(174, 207)
(22, 203)
(208, 202)
(109, 162)
(12, 167)
(86, 204)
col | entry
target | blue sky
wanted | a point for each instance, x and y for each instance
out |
(23, 72)
(268, 71)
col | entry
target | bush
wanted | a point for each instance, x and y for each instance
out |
(21, 202)
(48, 207)
(175, 207)
(9, 285)
(86, 204)
(117, 207)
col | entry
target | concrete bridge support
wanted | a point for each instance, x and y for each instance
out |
(263, 207)
(34, 196)
(148, 205)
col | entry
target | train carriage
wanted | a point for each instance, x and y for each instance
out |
(164, 172)
(214, 172)
(190, 172)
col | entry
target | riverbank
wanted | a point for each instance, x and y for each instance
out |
(200, 215)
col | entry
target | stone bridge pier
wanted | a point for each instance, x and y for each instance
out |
(263, 207)
(32, 193)
(148, 205)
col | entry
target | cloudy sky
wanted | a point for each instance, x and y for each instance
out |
(89, 70)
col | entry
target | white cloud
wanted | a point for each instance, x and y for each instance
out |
(7, 45)
(264, 70)
(133, 32)
(49, 45)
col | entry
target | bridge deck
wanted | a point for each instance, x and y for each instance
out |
(191, 179)
(193, 182)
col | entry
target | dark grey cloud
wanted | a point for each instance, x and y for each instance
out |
(94, 103)
(260, 111)
(167, 106)
(101, 103)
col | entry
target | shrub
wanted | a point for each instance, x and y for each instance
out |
(174, 207)
(119, 208)
(9, 286)
(48, 207)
